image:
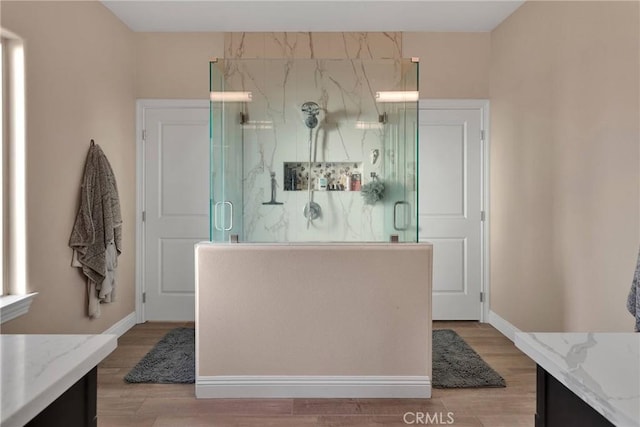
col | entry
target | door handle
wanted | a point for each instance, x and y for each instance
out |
(407, 218)
(230, 215)
(216, 223)
(216, 215)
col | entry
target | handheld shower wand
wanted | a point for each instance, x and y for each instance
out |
(311, 109)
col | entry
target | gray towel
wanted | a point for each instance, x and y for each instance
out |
(633, 302)
(98, 224)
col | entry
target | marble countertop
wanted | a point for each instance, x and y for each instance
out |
(37, 369)
(603, 369)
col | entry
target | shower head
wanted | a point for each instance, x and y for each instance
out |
(311, 109)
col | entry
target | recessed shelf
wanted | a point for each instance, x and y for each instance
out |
(338, 176)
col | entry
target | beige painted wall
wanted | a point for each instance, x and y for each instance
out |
(338, 310)
(452, 65)
(565, 180)
(175, 65)
(80, 85)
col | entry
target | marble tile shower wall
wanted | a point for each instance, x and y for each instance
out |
(303, 67)
(313, 45)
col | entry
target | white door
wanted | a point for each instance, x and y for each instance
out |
(450, 204)
(176, 206)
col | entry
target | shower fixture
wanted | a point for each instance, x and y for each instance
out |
(311, 109)
(311, 211)
(373, 156)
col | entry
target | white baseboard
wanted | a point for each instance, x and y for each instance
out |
(313, 387)
(506, 328)
(122, 325)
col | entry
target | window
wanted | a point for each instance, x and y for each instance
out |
(14, 300)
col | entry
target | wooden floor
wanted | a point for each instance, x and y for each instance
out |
(122, 404)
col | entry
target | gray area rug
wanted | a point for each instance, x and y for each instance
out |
(456, 365)
(171, 361)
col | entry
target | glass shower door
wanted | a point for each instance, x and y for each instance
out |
(401, 143)
(225, 135)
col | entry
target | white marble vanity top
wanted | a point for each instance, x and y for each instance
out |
(603, 369)
(37, 369)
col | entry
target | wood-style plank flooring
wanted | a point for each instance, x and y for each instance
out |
(169, 405)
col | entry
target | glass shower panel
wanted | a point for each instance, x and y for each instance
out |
(268, 137)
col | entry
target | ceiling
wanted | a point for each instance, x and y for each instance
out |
(311, 15)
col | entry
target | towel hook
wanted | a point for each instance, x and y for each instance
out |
(93, 143)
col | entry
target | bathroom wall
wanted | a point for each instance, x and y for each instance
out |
(452, 65)
(275, 133)
(565, 181)
(175, 65)
(80, 85)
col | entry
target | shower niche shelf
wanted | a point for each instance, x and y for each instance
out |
(339, 176)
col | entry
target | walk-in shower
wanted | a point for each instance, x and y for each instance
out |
(296, 145)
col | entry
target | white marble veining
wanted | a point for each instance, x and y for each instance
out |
(37, 369)
(314, 45)
(348, 129)
(603, 369)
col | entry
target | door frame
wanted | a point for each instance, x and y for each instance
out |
(141, 106)
(483, 105)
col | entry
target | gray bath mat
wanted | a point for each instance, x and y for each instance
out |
(456, 365)
(171, 361)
